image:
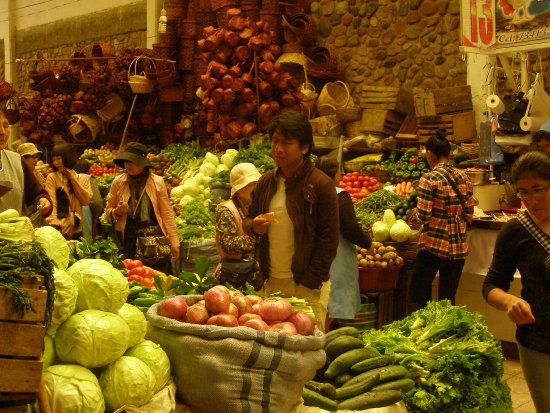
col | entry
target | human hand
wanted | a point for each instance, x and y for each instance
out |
(411, 215)
(45, 205)
(68, 173)
(121, 209)
(260, 225)
(519, 311)
(175, 252)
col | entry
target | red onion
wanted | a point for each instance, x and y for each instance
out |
(174, 307)
(232, 310)
(249, 316)
(284, 327)
(303, 322)
(241, 303)
(257, 325)
(275, 309)
(254, 299)
(197, 314)
(217, 300)
(255, 309)
(223, 320)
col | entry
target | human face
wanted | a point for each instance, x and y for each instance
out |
(544, 144)
(132, 169)
(58, 163)
(31, 160)
(287, 153)
(245, 194)
(535, 194)
(4, 132)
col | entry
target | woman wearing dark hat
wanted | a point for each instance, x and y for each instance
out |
(68, 190)
(138, 199)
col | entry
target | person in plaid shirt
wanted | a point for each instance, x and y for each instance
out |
(444, 214)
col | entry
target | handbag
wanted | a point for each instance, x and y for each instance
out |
(239, 272)
(152, 245)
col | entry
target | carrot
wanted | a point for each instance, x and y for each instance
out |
(397, 188)
(408, 188)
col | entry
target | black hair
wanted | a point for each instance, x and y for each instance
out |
(541, 135)
(68, 155)
(293, 125)
(534, 162)
(82, 166)
(438, 144)
(328, 165)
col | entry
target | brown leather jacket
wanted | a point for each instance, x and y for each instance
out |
(312, 205)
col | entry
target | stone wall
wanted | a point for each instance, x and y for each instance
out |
(393, 42)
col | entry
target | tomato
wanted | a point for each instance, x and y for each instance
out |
(133, 264)
(355, 173)
(148, 273)
(127, 262)
(148, 282)
(139, 271)
(134, 277)
(356, 184)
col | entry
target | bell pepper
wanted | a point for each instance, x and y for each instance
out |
(413, 159)
(411, 167)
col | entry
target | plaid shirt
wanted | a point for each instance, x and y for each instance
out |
(441, 213)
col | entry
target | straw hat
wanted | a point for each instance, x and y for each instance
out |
(241, 175)
(27, 149)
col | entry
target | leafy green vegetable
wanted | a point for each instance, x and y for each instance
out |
(66, 293)
(259, 155)
(55, 245)
(373, 206)
(154, 356)
(455, 360)
(104, 249)
(198, 214)
(222, 176)
(105, 183)
(135, 320)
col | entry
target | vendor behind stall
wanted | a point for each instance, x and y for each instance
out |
(19, 188)
(542, 137)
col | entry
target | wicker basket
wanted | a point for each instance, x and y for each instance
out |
(379, 279)
(139, 83)
(353, 129)
(470, 149)
(349, 114)
(406, 250)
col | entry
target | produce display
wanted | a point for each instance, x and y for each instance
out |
(405, 188)
(355, 376)
(381, 257)
(359, 186)
(390, 227)
(453, 358)
(373, 206)
(411, 165)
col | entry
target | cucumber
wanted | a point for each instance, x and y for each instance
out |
(342, 378)
(387, 373)
(344, 361)
(312, 398)
(403, 385)
(145, 302)
(371, 400)
(342, 331)
(342, 344)
(326, 389)
(361, 387)
(369, 364)
(143, 309)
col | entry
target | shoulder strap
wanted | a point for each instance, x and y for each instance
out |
(525, 219)
(457, 191)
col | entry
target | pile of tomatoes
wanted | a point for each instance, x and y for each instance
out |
(98, 170)
(359, 186)
(139, 273)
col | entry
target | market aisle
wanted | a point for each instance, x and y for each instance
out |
(521, 399)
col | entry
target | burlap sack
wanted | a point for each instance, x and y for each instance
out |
(236, 370)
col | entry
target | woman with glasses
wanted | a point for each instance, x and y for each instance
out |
(524, 244)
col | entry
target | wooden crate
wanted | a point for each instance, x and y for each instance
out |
(409, 128)
(460, 127)
(386, 98)
(21, 408)
(21, 344)
(432, 102)
(383, 121)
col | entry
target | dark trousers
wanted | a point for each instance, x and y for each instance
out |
(425, 268)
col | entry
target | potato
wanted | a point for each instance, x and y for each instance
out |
(398, 260)
(357, 248)
(390, 248)
(384, 264)
(359, 257)
(391, 263)
(377, 257)
(377, 264)
(363, 263)
(364, 251)
(381, 250)
(370, 263)
(377, 244)
(369, 258)
(388, 256)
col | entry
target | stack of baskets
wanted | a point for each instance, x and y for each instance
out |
(271, 13)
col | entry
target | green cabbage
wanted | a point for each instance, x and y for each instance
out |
(100, 285)
(92, 338)
(66, 294)
(73, 389)
(211, 158)
(127, 382)
(191, 187)
(54, 244)
(389, 218)
(154, 356)
(177, 192)
(380, 231)
(228, 157)
(208, 169)
(400, 231)
(136, 321)
(48, 354)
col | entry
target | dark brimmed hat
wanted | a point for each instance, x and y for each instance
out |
(136, 153)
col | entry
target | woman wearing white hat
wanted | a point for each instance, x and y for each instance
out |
(231, 241)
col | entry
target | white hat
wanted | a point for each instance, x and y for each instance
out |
(241, 175)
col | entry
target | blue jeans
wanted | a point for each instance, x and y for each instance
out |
(426, 267)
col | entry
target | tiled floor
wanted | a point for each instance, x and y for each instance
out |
(521, 399)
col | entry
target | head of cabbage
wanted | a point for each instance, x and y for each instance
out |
(380, 231)
(400, 231)
(154, 356)
(92, 338)
(100, 285)
(48, 353)
(54, 244)
(66, 294)
(127, 381)
(135, 320)
(73, 389)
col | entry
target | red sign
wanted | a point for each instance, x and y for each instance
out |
(478, 23)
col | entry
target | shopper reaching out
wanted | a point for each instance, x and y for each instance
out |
(524, 244)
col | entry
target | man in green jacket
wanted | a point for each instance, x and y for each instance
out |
(299, 234)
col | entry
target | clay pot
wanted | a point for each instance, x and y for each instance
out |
(265, 38)
(274, 106)
(275, 50)
(242, 53)
(245, 35)
(229, 96)
(288, 99)
(201, 44)
(236, 23)
(238, 85)
(266, 67)
(255, 44)
(248, 95)
(220, 57)
(217, 68)
(227, 81)
(244, 110)
(235, 71)
(233, 12)
(266, 55)
(247, 78)
(266, 89)
(226, 107)
(208, 31)
(231, 38)
(265, 113)
(217, 95)
(249, 129)
(211, 43)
